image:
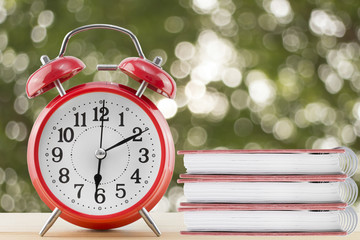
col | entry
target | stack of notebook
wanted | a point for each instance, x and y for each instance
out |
(269, 192)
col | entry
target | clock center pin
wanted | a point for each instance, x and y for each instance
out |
(100, 154)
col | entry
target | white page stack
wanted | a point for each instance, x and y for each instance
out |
(269, 192)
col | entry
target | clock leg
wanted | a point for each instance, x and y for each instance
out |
(149, 221)
(54, 215)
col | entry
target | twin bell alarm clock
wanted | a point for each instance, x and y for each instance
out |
(100, 155)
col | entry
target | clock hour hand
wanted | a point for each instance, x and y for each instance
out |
(127, 139)
(100, 155)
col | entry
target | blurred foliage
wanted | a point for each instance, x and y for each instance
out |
(250, 74)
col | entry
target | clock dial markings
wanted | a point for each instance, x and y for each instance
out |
(122, 181)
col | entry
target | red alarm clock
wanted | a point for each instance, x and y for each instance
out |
(100, 154)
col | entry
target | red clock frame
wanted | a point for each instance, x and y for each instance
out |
(126, 216)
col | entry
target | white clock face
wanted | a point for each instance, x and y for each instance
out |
(99, 153)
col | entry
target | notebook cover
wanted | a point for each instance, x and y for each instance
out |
(191, 178)
(247, 151)
(265, 233)
(186, 206)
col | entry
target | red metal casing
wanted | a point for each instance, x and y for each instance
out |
(62, 68)
(148, 201)
(141, 69)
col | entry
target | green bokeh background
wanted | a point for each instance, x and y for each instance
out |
(250, 74)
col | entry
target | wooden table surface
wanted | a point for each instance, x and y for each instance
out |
(27, 225)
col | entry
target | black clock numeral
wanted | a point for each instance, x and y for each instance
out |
(64, 175)
(66, 134)
(79, 192)
(80, 118)
(137, 130)
(119, 187)
(121, 124)
(100, 195)
(57, 154)
(104, 111)
(136, 176)
(144, 153)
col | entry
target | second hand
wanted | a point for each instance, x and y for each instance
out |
(100, 154)
(102, 123)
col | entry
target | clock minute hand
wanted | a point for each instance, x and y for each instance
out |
(126, 140)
